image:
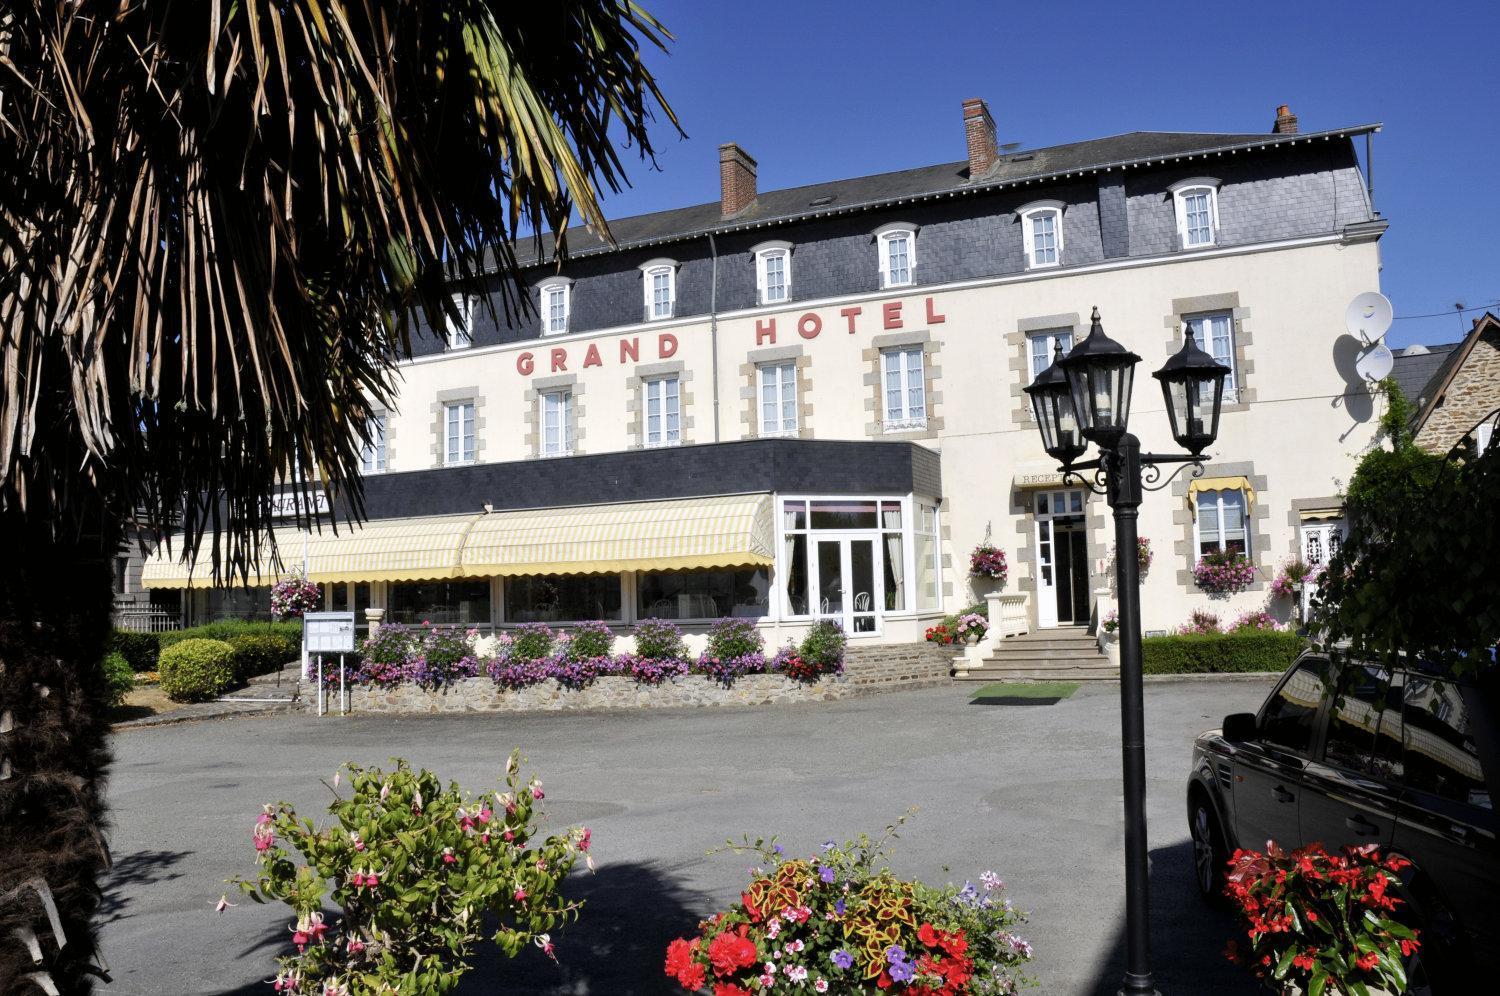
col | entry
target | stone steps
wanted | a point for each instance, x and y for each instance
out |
(1046, 655)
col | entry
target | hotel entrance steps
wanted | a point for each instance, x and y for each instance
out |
(1062, 654)
(282, 686)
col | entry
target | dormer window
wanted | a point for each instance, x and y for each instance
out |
(1042, 233)
(898, 255)
(1197, 205)
(659, 278)
(461, 329)
(556, 305)
(773, 272)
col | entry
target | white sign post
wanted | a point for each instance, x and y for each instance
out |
(329, 633)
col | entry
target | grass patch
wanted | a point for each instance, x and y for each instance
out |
(1023, 693)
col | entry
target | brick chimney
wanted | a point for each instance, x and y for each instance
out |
(1286, 121)
(979, 130)
(736, 180)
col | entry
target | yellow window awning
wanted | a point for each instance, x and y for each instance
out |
(166, 567)
(726, 531)
(1240, 483)
(723, 531)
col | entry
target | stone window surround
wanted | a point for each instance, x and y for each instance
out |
(1239, 318)
(1019, 342)
(750, 388)
(635, 402)
(532, 399)
(875, 380)
(1301, 513)
(440, 427)
(1185, 545)
(390, 432)
(1095, 526)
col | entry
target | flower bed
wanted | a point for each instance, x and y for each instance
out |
(1224, 572)
(841, 922)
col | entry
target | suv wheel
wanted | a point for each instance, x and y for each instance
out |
(1209, 857)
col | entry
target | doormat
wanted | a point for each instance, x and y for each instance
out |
(1023, 693)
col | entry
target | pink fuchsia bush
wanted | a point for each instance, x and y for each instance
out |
(293, 597)
(1255, 619)
(988, 562)
(1293, 573)
(419, 873)
(1200, 623)
(1223, 572)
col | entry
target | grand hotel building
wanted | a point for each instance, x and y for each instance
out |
(808, 403)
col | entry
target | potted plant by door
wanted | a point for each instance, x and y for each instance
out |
(972, 627)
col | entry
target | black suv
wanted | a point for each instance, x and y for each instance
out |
(1348, 752)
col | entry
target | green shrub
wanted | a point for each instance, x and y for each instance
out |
(729, 639)
(824, 646)
(118, 677)
(1199, 653)
(196, 670)
(658, 640)
(140, 650)
(590, 641)
(233, 627)
(262, 653)
(531, 642)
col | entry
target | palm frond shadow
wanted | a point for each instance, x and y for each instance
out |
(130, 874)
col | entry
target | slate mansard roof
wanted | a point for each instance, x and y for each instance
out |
(926, 183)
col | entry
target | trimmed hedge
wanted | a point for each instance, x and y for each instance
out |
(233, 627)
(118, 677)
(196, 670)
(1200, 653)
(140, 650)
(263, 653)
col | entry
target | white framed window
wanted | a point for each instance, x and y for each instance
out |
(898, 255)
(663, 405)
(458, 432)
(905, 395)
(1215, 335)
(773, 272)
(1484, 436)
(557, 423)
(1041, 345)
(556, 306)
(372, 456)
(1222, 523)
(659, 279)
(1042, 233)
(1196, 202)
(778, 398)
(461, 331)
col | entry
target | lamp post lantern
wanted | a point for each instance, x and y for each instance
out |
(1087, 393)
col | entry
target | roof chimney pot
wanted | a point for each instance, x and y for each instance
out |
(1286, 121)
(979, 130)
(736, 180)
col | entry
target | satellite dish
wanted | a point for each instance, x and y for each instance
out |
(1369, 316)
(1376, 364)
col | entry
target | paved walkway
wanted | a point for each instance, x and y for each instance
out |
(1032, 792)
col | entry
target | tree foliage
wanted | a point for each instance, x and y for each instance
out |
(220, 221)
(1417, 572)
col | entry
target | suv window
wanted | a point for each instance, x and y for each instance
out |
(1290, 715)
(1361, 737)
(1440, 754)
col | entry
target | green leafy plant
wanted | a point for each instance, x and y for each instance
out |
(823, 646)
(140, 649)
(532, 642)
(262, 653)
(658, 639)
(419, 874)
(223, 630)
(1243, 650)
(734, 638)
(1321, 923)
(590, 641)
(196, 670)
(118, 677)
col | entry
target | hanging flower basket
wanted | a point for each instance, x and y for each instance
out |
(1294, 574)
(1224, 572)
(988, 562)
(1144, 556)
(293, 597)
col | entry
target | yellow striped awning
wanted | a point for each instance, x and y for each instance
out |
(168, 568)
(726, 531)
(1240, 483)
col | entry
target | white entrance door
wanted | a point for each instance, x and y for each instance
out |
(849, 582)
(1061, 559)
(1320, 541)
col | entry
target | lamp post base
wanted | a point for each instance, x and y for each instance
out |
(1139, 987)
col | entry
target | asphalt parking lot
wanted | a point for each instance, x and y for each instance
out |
(1032, 792)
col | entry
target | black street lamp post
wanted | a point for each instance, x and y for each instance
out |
(1085, 397)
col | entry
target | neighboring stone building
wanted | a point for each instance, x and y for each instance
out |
(807, 403)
(1461, 390)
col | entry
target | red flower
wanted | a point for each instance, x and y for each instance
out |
(750, 909)
(927, 935)
(680, 964)
(731, 951)
(692, 977)
(1304, 960)
(1367, 961)
(729, 989)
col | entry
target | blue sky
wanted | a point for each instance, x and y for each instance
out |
(825, 89)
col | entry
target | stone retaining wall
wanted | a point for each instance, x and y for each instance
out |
(867, 670)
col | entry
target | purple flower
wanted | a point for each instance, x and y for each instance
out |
(826, 874)
(842, 958)
(902, 971)
(839, 907)
(829, 845)
(895, 954)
